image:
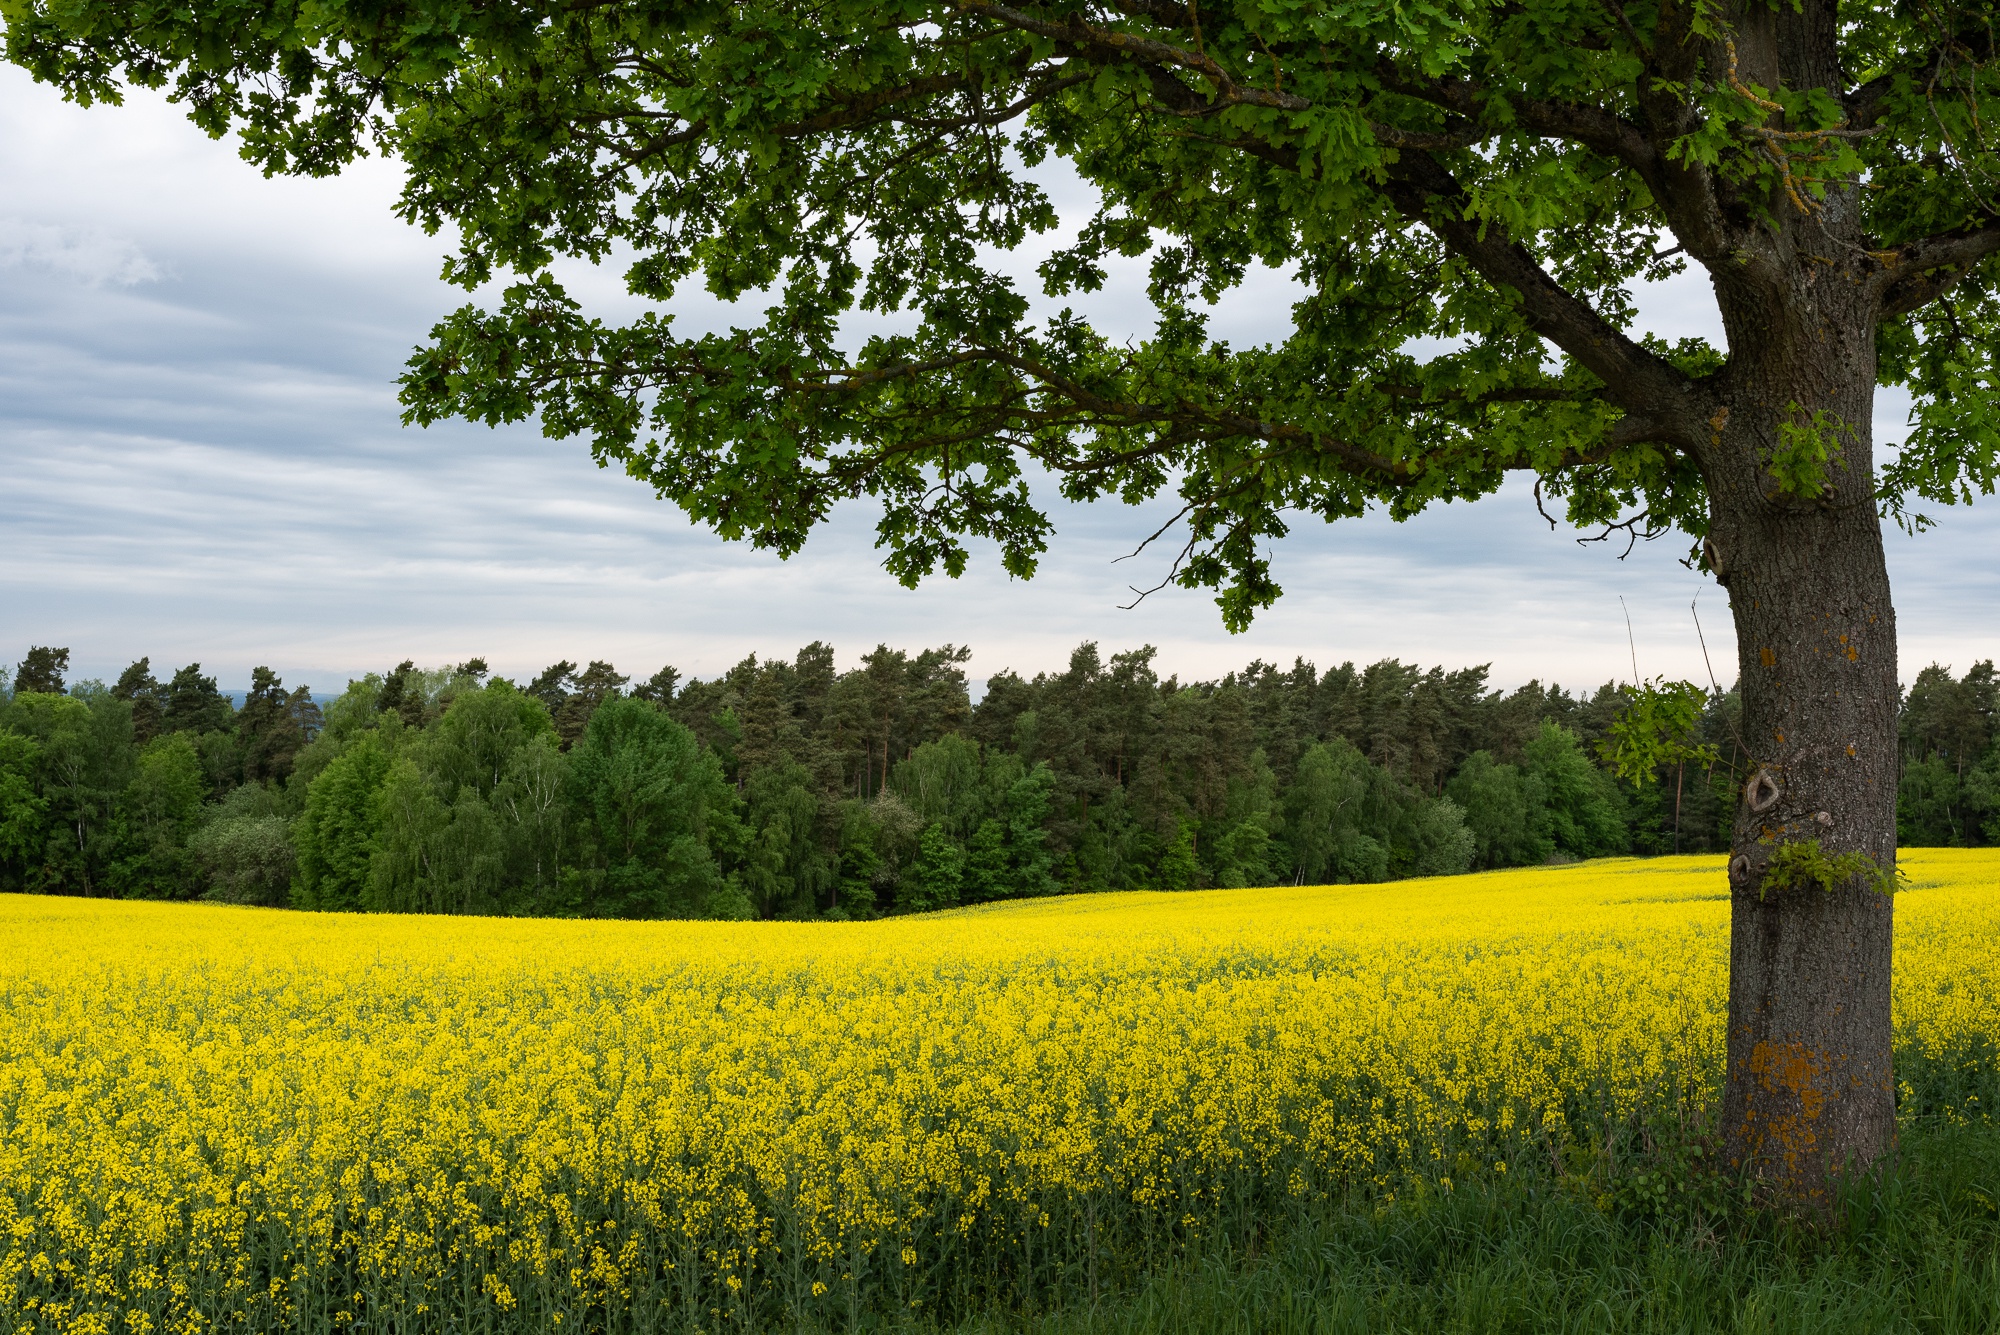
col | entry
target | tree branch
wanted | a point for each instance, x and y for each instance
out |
(1634, 430)
(1864, 104)
(1685, 193)
(1592, 126)
(1143, 50)
(876, 105)
(1166, 13)
(1394, 137)
(1635, 379)
(1917, 273)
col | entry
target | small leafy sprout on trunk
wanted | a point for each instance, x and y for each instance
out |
(1808, 449)
(1802, 862)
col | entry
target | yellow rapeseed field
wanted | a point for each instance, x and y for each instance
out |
(240, 1119)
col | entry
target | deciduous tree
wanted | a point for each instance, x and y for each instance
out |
(655, 805)
(162, 812)
(1467, 194)
(335, 833)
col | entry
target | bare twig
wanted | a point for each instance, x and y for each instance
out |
(1695, 612)
(1639, 527)
(1156, 535)
(1165, 580)
(1631, 641)
(1538, 505)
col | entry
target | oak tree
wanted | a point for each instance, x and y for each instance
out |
(1468, 193)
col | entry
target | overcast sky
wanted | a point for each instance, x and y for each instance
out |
(203, 461)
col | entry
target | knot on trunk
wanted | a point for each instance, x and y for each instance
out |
(1763, 790)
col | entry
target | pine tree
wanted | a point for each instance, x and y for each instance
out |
(137, 685)
(42, 671)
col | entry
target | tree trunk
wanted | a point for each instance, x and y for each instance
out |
(1809, 1094)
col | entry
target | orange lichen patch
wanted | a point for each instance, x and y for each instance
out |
(1791, 1076)
(1792, 1068)
(1767, 658)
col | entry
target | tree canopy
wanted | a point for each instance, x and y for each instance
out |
(1466, 192)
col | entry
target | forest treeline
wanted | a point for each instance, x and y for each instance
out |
(792, 789)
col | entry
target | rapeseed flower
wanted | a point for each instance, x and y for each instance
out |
(220, 1118)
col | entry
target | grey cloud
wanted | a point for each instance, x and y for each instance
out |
(96, 259)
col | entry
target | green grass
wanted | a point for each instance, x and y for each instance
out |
(1919, 1252)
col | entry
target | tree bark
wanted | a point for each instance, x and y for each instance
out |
(1809, 1095)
